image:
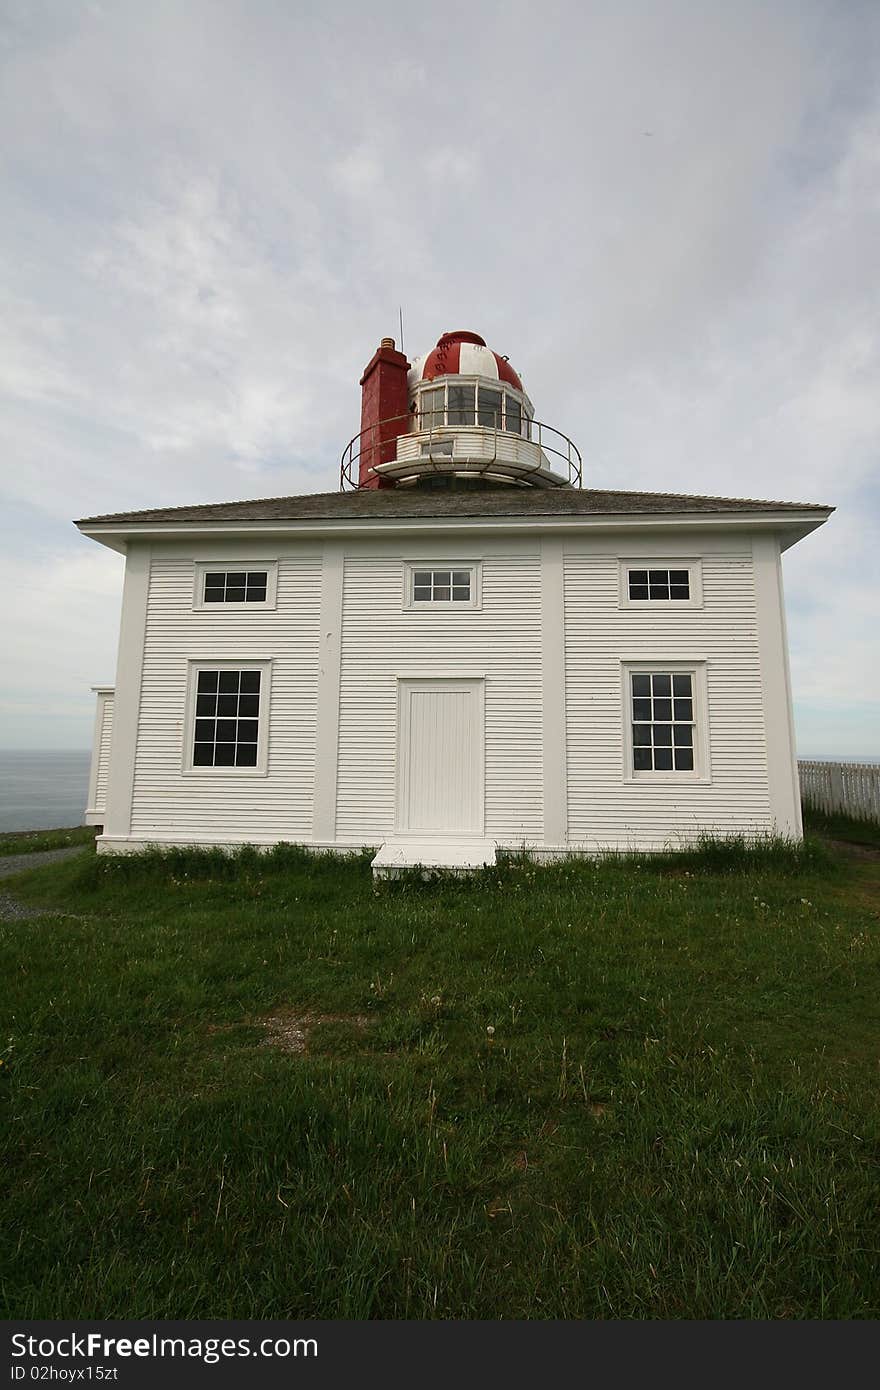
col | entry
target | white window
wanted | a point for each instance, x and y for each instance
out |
(227, 717)
(251, 584)
(458, 402)
(450, 585)
(666, 723)
(661, 584)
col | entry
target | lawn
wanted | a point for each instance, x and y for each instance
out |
(256, 1088)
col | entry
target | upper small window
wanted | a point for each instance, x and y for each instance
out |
(454, 585)
(661, 582)
(664, 585)
(245, 585)
(441, 586)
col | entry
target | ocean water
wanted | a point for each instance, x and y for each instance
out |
(42, 790)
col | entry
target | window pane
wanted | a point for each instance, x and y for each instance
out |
(422, 577)
(214, 596)
(513, 421)
(250, 682)
(247, 730)
(224, 755)
(461, 595)
(681, 685)
(229, 681)
(684, 760)
(431, 409)
(461, 405)
(683, 709)
(654, 577)
(226, 730)
(237, 579)
(683, 736)
(421, 595)
(679, 577)
(441, 595)
(662, 684)
(461, 577)
(203, 755)
(204, 731)
(679, 591)
(227, 706)
(206, 704)
(641, 685)
(641, 709)
(642, 759)
(248, 706)
(638, 577)
(208, 680)
(443, 577)
(638, 591)
(258, 577)
(642, 735)
(662, 735)
(663, 759)
(256, 593)
(660, 591)
(234, 595)
(246, 755)
(215, 581)
(662, 709)
(489, 408)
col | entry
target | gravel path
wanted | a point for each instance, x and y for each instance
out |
(11, 910)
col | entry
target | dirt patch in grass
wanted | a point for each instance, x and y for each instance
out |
(290, 1029)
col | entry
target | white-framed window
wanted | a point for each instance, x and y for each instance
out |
(227, 718)
(447, 584)
(459, 402)
(666, 724)
(242, 584)
(661, 583)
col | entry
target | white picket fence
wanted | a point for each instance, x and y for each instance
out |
(850, 788)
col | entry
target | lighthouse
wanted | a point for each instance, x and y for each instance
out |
(458, 418)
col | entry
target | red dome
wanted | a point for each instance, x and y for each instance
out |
(464, 354)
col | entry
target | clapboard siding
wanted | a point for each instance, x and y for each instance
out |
(228, 806)
(603, 809)
(106, 731)
(381, 641)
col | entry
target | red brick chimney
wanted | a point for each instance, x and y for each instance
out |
(384, 411)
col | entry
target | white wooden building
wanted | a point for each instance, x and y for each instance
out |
(461, 650)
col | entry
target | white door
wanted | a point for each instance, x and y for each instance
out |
(440, 757)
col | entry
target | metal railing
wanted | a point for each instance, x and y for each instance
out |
(378, 444)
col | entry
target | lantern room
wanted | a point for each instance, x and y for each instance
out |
(457, 417)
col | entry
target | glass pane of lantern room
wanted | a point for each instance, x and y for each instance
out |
(489, 408)
(461, 405)
(431, 409)
(513, 422)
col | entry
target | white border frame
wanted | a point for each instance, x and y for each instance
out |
(194, 665)
(203, 567)
(443, 605)
(694, 566)
(702, 773)
(477, 684)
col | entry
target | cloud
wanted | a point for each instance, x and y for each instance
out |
(666, 215)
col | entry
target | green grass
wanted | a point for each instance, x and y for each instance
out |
(858, 832)
(677, 1114)
(28, 841)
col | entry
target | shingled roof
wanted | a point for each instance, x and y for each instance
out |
(404, 503)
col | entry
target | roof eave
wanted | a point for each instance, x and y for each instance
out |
(791, 525)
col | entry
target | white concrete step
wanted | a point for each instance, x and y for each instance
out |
(451, 855)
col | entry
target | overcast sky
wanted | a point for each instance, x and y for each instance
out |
(666, 214)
